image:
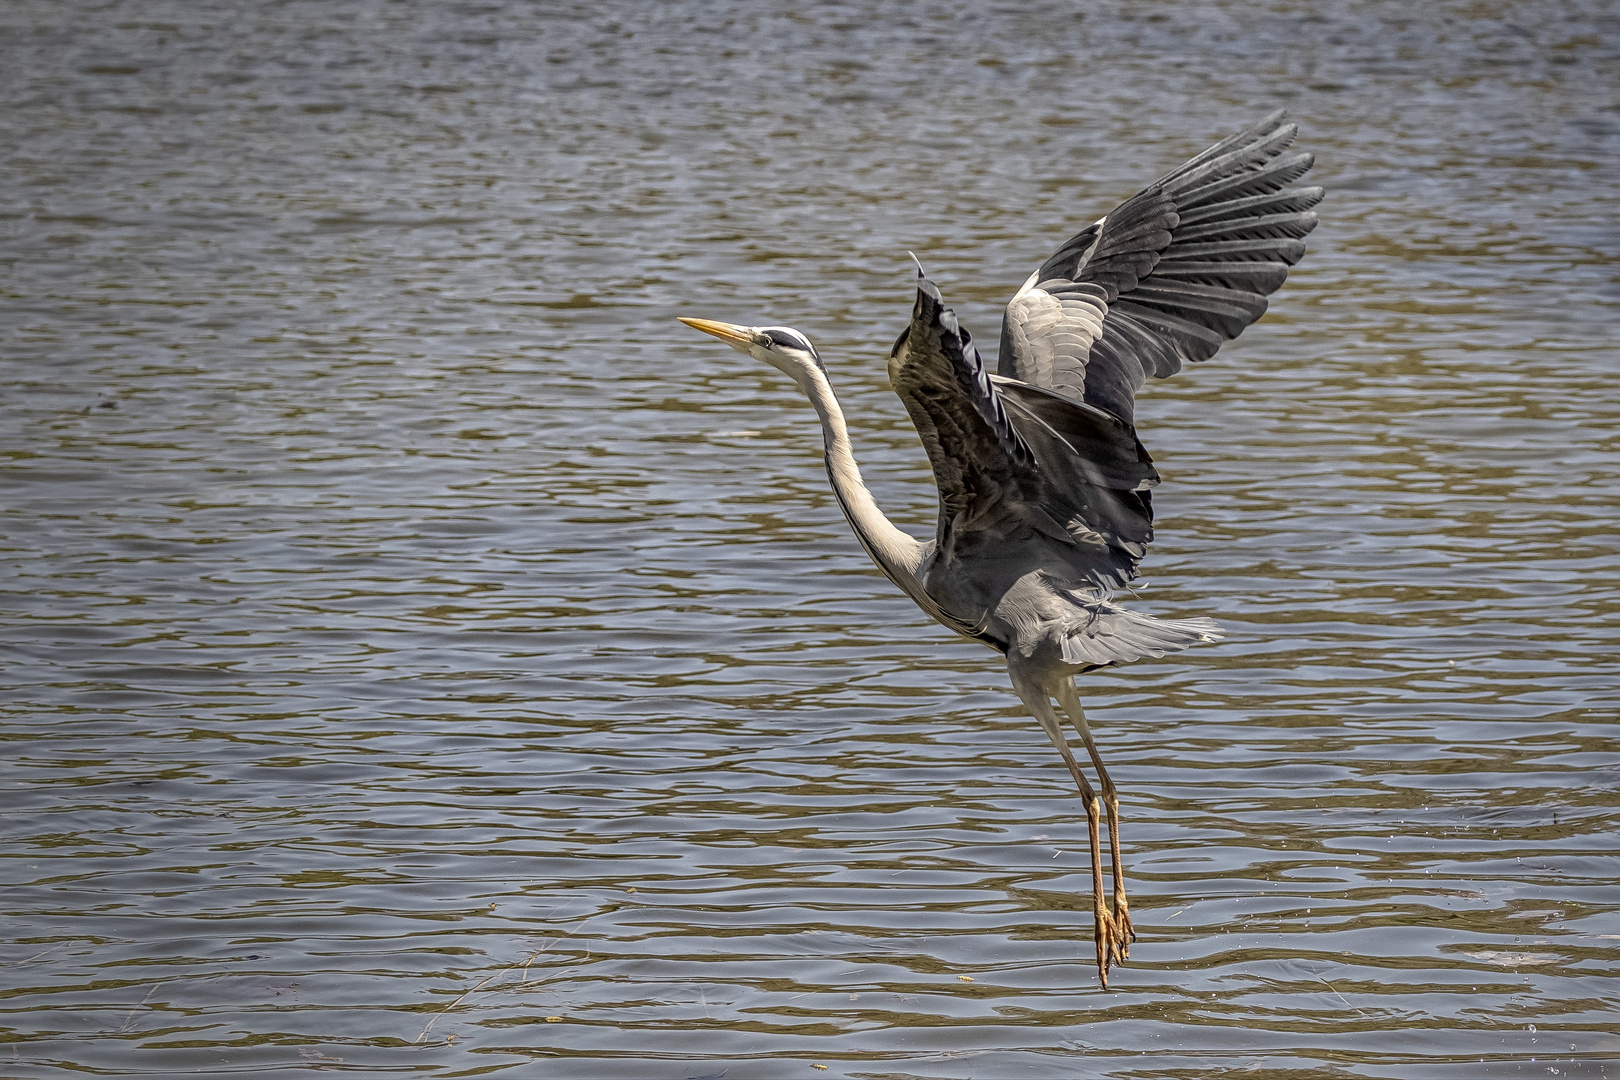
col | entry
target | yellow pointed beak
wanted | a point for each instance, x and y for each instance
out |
(730, 333)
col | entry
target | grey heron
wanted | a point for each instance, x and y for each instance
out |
(1044, 488)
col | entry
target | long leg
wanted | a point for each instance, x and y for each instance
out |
(1036, 696)
(1070, 700)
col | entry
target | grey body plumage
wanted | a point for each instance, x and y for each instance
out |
(1045, 502)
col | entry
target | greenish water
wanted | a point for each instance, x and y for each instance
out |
(422, 655)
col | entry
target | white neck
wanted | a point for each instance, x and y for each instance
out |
(897, 554)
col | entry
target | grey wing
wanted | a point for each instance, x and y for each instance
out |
(936, 370)
(1023, 473)
(1169, 276)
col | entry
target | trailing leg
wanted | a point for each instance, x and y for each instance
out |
(1036, 695)
(1124, 933)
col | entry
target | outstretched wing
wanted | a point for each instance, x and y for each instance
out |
(1170, 275)
(1020, 469)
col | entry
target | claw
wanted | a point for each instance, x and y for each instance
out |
(1103, 931)
(1124, 932)
(1105, 945)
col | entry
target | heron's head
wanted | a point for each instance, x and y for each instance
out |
(782, 347)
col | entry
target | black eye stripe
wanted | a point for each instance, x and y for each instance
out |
(790, 339)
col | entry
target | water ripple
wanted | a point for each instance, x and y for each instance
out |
(420, 657)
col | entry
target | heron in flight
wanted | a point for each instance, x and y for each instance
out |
(1044, 489)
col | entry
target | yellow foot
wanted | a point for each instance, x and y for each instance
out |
(1114, 936)
(1123, 932)
(1104, 928)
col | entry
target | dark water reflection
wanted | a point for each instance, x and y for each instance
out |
(422, 655)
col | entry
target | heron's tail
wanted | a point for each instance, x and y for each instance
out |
(1105, 633)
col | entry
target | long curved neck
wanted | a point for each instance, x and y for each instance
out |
(892, 549)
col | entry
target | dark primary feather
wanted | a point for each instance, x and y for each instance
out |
(938, 373)
(1020, 468)
(947, 358)
(1170, 275)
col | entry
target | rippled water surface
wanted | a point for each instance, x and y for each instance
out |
(422, 655)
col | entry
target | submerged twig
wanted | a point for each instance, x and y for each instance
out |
(129, 1020)
(465, 994)
(1341, 997)
(524, 967)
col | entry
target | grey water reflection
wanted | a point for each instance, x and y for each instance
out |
(423, 655)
